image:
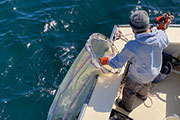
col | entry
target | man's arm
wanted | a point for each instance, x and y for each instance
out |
(120, 59)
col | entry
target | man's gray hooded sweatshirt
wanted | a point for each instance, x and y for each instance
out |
(145, 53)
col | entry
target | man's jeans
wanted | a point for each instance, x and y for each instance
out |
(133, 89)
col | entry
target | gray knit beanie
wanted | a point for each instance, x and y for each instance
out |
(139, 20)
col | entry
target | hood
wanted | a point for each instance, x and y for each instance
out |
(149, 38)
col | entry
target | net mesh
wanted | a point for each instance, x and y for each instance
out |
(74, 90)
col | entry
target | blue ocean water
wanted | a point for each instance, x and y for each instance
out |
(40, 39)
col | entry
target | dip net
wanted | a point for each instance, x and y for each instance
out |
(77, 86)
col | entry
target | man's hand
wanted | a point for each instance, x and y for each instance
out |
(164, 20)
(103, 60)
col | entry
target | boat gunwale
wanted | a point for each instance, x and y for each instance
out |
(171, 25)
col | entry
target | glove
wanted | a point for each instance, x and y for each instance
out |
(164, 25)
(159, 19)
(164, 21)
(104, 60)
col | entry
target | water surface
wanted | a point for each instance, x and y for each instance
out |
(39, 40)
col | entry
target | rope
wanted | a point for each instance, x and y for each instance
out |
(123, 37)
(176, 72)
(150, 101)
(172, 117)
(152, 93)
(157, 93)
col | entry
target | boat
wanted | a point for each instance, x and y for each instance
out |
(92, 95)
(163, 100)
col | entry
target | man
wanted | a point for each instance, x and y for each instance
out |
(145, 55)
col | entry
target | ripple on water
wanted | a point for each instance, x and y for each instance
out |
(39, 40)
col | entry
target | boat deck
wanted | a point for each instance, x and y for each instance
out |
(164, 98)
